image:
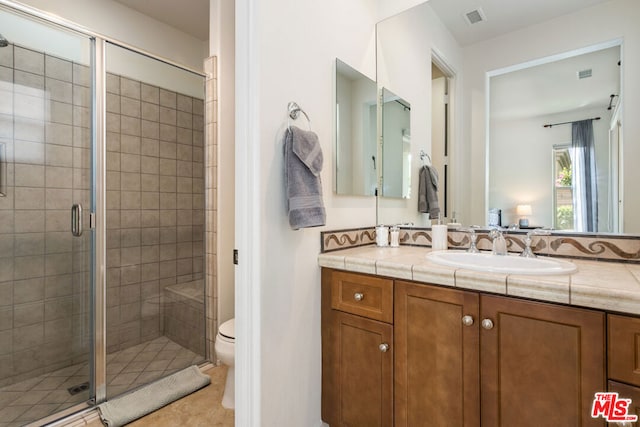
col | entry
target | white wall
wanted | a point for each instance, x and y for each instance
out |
(222, 45)
(286, 52)
(112, 19)
(594, 25)
(405, 46)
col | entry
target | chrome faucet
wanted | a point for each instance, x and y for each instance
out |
(527, 252)
(473, 238)
(499, 242)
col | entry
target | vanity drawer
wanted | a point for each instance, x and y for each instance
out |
(363, 295)
(624, 349)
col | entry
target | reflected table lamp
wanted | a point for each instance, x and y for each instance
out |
(523, 211)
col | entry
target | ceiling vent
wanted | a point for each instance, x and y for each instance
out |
(475, 16)
(583, 74)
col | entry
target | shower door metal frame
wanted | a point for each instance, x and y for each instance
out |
(98, 201)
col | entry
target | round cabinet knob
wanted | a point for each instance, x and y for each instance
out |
(467, 320)
(384, 347)
(358, 296)
(487, 324)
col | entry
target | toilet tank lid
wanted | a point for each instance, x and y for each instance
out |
(228, 329)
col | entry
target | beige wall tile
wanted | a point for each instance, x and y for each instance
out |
(168, 116)
(58, 155)
(129, 88)
(58, 90)
(150, 93)
(28, 314)
(58, 198)
(130, 144)
(58, 68)
(28, 60)
(168, 133)
(29, 244)
(29, 221)
(28, 336)
(58, 177)
(150, 129)
(130, 126)
(130, 107)
(59, 112)
(29, 175)
(129, 162)
(131, 237)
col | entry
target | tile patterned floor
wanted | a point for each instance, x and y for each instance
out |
(199, 409)
(36, 398)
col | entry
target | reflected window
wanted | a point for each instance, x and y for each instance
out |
(563, 188)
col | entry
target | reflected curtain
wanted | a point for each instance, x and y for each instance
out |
(585, 192)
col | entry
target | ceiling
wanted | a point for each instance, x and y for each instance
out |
(554, 87)
(502, 16)
(546, 89)
(190, 16)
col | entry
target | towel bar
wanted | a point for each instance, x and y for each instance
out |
(294, 111)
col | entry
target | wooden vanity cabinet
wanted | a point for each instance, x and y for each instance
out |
(457, 358)
(540, 363)
(357, 350)
(436, 356)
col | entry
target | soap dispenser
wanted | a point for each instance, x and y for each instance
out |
(439, 236)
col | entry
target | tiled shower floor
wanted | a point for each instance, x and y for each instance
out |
(36, 398)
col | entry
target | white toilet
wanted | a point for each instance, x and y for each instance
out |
(226, 351)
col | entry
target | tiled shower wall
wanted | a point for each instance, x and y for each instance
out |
(155, 204)
(44, 145)
(155, 217)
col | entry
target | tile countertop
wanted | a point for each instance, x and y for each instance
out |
(604, 285)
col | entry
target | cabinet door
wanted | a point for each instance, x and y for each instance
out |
(363, 372)
(541, 364)
(627, 392)
(436, 356)
(624, 349)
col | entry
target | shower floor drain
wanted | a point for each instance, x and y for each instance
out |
(78, 388)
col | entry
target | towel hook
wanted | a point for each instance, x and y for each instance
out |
(423, 154)
(294, 111)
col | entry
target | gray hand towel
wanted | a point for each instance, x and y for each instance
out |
(428, 192)
(302, 166)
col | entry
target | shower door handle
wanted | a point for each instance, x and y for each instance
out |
(76, 220)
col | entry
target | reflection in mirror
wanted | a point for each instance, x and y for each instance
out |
(356, 126)
(396, 146)
(558, 109)
(513, 34)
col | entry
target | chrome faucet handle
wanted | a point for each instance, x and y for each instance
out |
(473, 238)
(499, 242)
(527, 252)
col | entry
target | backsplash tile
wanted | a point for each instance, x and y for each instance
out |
(350, 238)
(581, 246)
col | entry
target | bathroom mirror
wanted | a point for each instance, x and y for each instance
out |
(553, 112)
(505, 37)
(396, 146)
(356, 158)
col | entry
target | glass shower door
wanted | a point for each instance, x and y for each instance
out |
(46, 194)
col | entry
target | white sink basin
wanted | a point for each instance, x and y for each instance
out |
(507, 264)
